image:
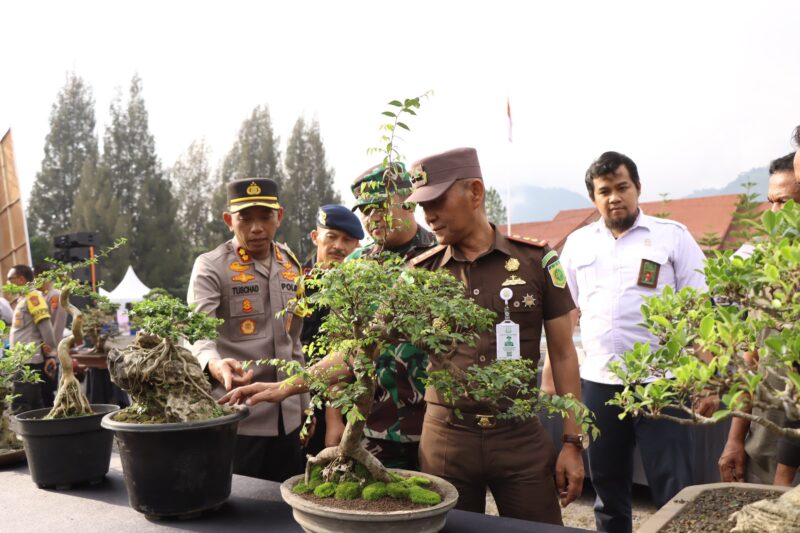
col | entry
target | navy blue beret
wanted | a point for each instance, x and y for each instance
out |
(335, 216)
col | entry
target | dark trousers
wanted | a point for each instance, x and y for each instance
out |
(665, 447)
(516, 462)
(273, 458)
(29, 395)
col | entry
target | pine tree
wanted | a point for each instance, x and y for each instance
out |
(665, 200)
(190, 178)
(97, 210)
(745, 217)
(495, 208)
(309, 184)
(70, 142)
(255, 154)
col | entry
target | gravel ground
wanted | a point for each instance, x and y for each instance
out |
(580, 513)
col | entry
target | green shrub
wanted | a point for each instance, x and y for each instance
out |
(374, 491)
(325, 490)
(397, 490)
(301, 488)
(347, 491)
(423, 496)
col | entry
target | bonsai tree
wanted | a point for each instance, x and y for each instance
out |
(745, 298)
(374, 305)
(165, 380)
(100, 324)
(13, 369)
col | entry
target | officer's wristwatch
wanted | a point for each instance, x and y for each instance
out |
(581, 440)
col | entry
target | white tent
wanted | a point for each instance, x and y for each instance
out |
(102, 292)
(130, 289)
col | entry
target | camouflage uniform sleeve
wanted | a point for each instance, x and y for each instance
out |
(204, 294)
(555, 293)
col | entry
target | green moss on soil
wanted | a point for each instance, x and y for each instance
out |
(347, 491)
(423, 496)
(374, 491)
(325, 490)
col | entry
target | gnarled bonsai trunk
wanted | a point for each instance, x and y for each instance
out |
(771, 516)
(342, 458)
(70, 400)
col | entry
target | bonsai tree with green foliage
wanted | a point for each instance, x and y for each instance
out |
(13, 370)
(747, 299)
(100, 323)
(164, 380)
(374, 304)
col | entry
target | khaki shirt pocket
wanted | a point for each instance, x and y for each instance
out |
(248, 319)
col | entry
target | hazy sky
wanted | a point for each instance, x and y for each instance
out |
(695, 92)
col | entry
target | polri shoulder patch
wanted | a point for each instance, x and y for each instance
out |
(539, 243)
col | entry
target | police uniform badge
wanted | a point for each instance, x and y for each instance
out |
(253, 189)
(322, 217)
(648, 274)
(512, 265)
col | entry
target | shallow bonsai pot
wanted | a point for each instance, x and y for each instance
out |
(177, 469)
(65, 451)
(673, 508)
(316, 518)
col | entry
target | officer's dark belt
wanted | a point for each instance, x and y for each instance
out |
(470, 420)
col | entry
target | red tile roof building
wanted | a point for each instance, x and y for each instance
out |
(706, 216)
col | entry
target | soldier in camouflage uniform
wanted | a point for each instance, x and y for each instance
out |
(395, 422)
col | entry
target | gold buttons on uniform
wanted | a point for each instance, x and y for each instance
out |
(482, 359)
(476, 292)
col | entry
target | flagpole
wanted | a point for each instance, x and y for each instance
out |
(508, 179)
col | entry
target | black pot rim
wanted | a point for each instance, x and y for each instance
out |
(35, 416)
(109, 423)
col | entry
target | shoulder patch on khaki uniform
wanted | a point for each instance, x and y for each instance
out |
(539, 243)
(427, 254)
(284, 248)
(37, 306)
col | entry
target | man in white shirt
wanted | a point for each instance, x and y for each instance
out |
(611, 266)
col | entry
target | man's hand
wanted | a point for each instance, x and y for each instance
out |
(707, 405)
(257, 393)
(50, 366)
(569, 474)
(732, 461)
(229, 372)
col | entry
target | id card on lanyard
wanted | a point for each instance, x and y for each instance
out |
(507, 339)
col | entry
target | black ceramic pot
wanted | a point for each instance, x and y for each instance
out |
(180, 469)
(65, 451)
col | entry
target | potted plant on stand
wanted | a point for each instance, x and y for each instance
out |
(748, 299)
(176, 443)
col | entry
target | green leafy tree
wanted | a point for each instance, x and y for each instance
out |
(710, 240)
(665, 200)
(495, 208)
(308, 185)
(70, 142)
(97, 210)
(191, 184)
(255, 154)
(746, 216)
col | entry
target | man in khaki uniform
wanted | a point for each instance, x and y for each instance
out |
(31, 324)
(514, 458)
(246, 281)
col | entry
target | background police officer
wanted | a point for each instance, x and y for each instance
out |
(247, 281)
(31, 324)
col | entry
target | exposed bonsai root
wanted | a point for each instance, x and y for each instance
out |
(8, 439)
(165, 382)
(770, 516)
(70, 401)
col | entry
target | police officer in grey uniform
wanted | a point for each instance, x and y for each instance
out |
(31, 324)
(247, 281)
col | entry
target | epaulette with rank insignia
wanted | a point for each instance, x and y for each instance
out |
(285, 248)
(539, 243)
(426, 255)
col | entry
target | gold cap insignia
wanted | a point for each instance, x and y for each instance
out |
(512, 265)
(253, 189)
(322, 217)
(419, 178)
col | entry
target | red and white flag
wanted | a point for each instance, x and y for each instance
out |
(508, 109)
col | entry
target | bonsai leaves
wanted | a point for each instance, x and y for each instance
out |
(169, 318)
(752, 306)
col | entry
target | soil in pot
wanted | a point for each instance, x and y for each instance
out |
(710, 511)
